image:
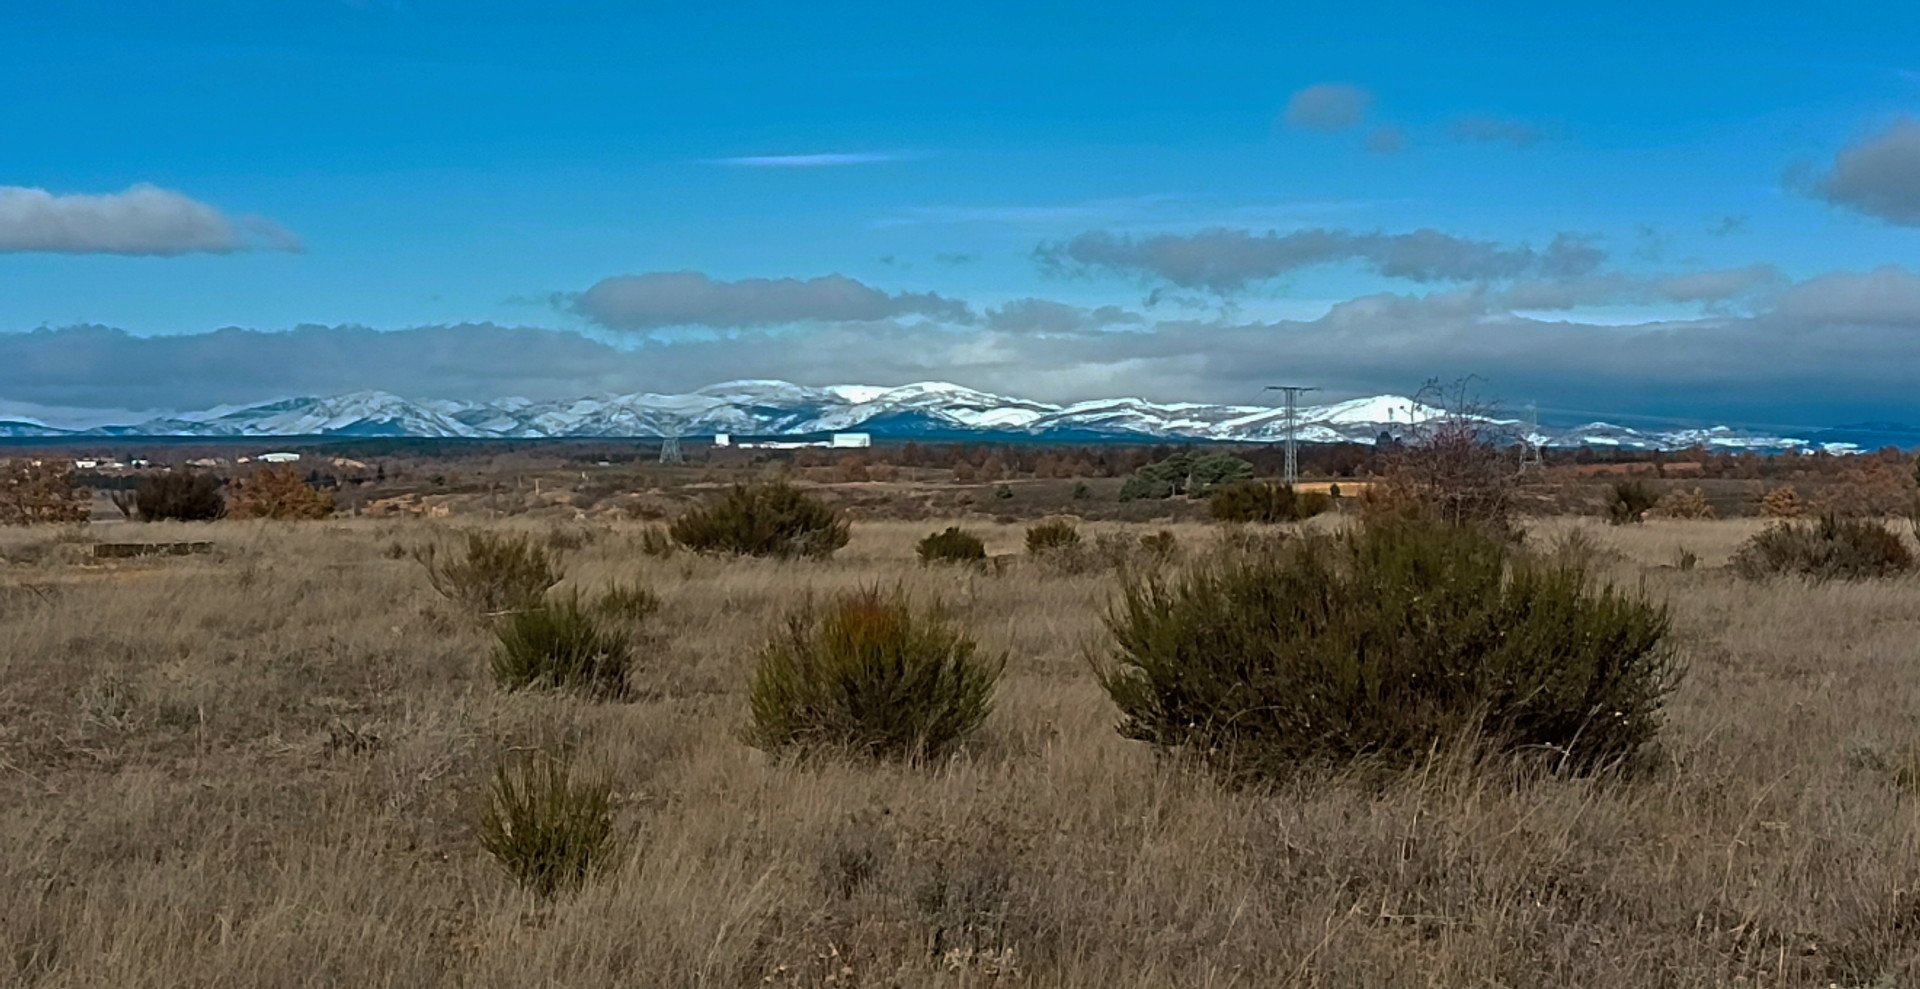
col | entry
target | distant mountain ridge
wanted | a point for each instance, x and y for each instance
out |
(928, 409)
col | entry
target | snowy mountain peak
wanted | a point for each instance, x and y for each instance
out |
(758, 407)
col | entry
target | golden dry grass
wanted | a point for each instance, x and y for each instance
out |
(262, 768)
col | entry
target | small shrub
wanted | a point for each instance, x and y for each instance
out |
(188, 496)
(655, 542)
(1003, 492)
(774, 519)
(1628, 501)
(276, 492)
(1081, 492)
(1185, 473)
(1257, 501)
(1680, 504)
(1379, 645)
(952, 545)
(1781, 503)
(1052, 534)
(34, 491)
(1831, 548)
(493, 573)
(871, 675)
(626, 602)
(560, 645)
(1685, 560)
(549, 830)
(1162, 545)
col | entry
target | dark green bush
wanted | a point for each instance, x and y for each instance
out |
(1379, 644)
(492, 573)
(1628, 501)
(559, 644)
(626, 602)
(187, 496)
(1081, 492)
(1188, 472)
(1829, 549)
(1258, 501)
(1052, 534)
(871, 675)
(547, 829)
(952, 544)
(775, 519)
(655, 542)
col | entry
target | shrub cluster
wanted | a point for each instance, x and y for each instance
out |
(1259, 501)
(1188, 472)
(186, 496)
(1051, 535)
(952, 545)
(549, 830)
(1378, 645)
(277, 493)
(561, 645)
(34, 491)
(775, 519)
(1683, 504)
(871, 675)
(493, 573)
(1781, 503)
(1629, 501)
(1830, 548)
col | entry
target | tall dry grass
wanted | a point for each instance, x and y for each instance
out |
(264, 767)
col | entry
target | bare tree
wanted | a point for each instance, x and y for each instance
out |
(1451, 466)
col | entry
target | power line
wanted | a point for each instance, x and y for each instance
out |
(1293, 392)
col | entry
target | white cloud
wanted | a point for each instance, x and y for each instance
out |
(826, 160)
(689, 298)
(144, 219)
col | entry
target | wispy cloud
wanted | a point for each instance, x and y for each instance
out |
(824, 160)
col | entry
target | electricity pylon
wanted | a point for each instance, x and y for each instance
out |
(670, 450)
(1292, 472)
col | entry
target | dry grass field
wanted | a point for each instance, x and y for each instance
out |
(262, 767)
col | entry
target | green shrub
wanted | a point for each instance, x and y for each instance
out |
(1003, 492)
(1378, 645)
(1257, 501)
(1629, 501)
(870, 675)
(774, 519)
(952, 544)
(547, 829)
(187, 496)
(626, 602)
(655, 542)
(492, 573)
(1829, 549)
(558, 644)
(1052, 534)
(1081, 492)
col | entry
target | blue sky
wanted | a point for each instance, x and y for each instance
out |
(1709, 212)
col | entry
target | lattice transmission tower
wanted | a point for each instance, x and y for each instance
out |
(1293, 393)
(670, 450)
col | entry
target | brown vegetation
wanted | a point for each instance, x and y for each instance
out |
(277, 493)
(270, 765)
(36, 491)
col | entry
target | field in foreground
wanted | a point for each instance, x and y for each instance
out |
(263, 766)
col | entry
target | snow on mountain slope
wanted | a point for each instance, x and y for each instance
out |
(926, 408)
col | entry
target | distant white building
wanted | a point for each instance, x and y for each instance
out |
(279, 458)
(723, 439)
(852, 441)
(839, 441)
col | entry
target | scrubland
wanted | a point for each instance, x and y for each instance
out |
(263, 767)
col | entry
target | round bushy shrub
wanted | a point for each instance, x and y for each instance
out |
(547, 829)
(492, 573)
(1053, 534)
(870, 674)
(1380, 644)
(559, 644)
(1829, 549)
(775, 519)
(952, 545)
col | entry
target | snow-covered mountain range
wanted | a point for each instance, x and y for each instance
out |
(925, 410)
